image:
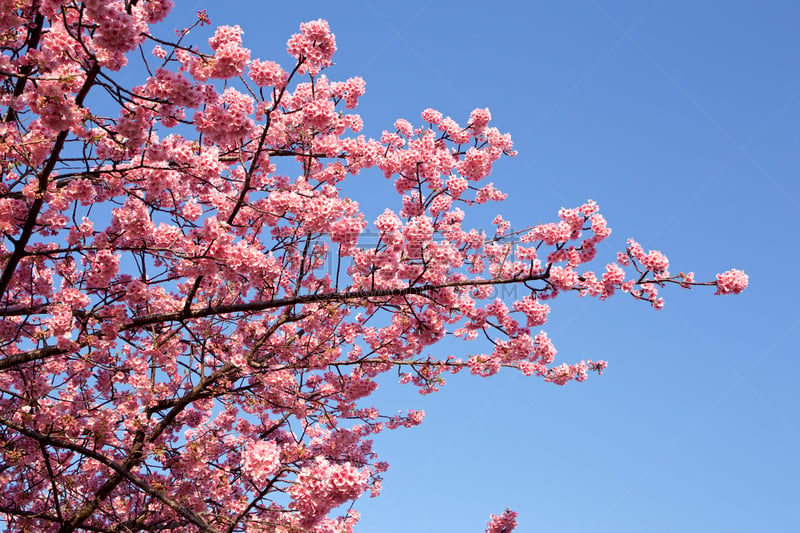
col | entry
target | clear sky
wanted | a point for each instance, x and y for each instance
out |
(680, 118)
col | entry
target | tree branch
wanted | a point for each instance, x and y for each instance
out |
(254, 307)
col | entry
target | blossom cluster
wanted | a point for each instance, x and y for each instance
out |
(503, 523)
(323, 486)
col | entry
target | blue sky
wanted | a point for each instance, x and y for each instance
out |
(680, 119)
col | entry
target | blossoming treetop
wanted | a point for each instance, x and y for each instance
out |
(174, 355)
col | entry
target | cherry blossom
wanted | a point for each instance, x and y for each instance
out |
(504, 523)
(194, 316)
(731, 282)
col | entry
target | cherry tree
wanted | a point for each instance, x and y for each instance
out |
(189, 337)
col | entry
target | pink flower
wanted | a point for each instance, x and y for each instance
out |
(73, 298)
(191, 210)
(388, 221)
(260, 460)
(345, 231)
(656, 261)
(454, 131)
(153, 11)
(229, 60)
(403, 127)
(687, 279)
(477, 164)
(319, 114)
(551, 233)
(613, 277)
(419, 231)
(479, 119)
(457, 185)
(174, 88)
(535, 311)
(504, 523)
(731, 282)
(267, 73)
(315, 45)
(563, 278)
(228, 123)
(323, 486)
(354, 88)
(104, 266)
(599, 225)
(432, 116)
(226, 35)
(543, 351)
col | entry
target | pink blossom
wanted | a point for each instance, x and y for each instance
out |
(261, 460)
(319, 114)
(731, 282)
(226, 35)
(613, 277)
(457, 185)
(154, 11)
(599, 227)
(505, 523)
(117, 33)
(173, 88)
(73, 298)
(104, 265)
(533, 310)
(388, 221)
(440, 204)
(488, 193)
(550, 233)
(354, 89)
(323, 486)
(267, 73)
(192, 210)
(315, 44)
(432, 116)
(479, 119)
(655, 261)
(403, 127)
(454, 131)
(345, 231)
(228, 122)
(563, 278)
(419, 231)
(477, 164)
(543, 351)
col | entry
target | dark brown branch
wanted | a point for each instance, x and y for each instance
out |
(254, 307)
(315, 298)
